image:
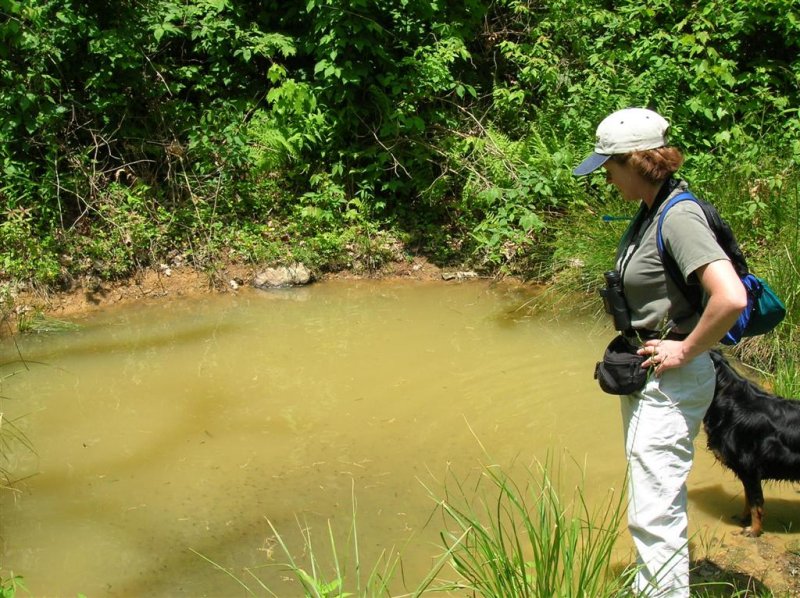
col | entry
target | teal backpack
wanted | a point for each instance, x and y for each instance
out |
(764, 309)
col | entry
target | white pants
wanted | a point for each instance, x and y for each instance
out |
(660, 423)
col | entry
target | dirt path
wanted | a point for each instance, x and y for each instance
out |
(766, 566)
(757, 567)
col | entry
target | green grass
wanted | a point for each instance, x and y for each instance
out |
(10, 585)
(323, 567)
(502, 539)
(37, 322)
(525, 539)
(583, 248)
(776, 259)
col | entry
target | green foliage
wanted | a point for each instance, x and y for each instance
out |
(345, 577)
(706, 64)
(27, 253)
(10, 585)
(292, 127)
(387, 72)
(204, 103)
(93, 93)
(582, 249)
(116, 239)
(511, 189)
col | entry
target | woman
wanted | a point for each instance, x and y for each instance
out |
(661, 420)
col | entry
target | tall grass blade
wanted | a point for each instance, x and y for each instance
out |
(227, 572)
(515, 540)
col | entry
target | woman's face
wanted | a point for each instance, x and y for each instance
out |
(624, 179)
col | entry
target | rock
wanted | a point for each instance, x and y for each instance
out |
(459, 275)
(282, 276)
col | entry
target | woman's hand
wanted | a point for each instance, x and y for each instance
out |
(663, 355)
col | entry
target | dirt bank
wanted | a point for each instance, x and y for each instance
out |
(166, 284)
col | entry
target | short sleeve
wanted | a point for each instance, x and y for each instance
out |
(689, 239)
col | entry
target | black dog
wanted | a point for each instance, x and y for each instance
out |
(755, 434)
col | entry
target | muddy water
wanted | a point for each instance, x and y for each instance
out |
(171, 430)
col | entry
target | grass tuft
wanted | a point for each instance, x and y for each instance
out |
(526, 540)
(37, 322)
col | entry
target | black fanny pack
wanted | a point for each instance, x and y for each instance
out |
(621, 371)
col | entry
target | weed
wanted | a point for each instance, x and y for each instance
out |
(337, 572)
(508, 539)
(37, 321)
(10, 585)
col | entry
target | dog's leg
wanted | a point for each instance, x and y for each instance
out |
(745, 517)
(757, 518)
(754, 506)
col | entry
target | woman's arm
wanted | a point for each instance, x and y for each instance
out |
(727, 298)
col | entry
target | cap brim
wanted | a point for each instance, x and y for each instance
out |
(590, 164)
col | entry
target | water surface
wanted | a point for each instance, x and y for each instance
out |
(170, 429)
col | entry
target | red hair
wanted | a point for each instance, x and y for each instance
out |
(655, 165)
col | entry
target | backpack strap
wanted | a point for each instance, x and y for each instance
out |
(670, 266)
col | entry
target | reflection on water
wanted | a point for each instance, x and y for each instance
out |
(181, 427)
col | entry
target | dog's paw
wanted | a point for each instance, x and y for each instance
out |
(750, 532)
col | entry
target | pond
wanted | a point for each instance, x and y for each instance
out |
(170, 435)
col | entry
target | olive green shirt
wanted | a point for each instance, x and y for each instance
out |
(652, 296)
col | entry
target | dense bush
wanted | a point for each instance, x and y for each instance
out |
(222, 129)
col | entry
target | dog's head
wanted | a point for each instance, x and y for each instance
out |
(731, 383)
(719, 359)
(726, 375)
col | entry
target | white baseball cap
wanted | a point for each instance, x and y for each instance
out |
(624, 131)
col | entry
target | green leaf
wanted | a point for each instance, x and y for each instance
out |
(276, 72)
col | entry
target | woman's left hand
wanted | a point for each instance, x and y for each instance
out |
(663, 355)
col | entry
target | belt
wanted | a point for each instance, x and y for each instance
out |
(643, 334)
